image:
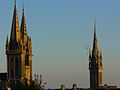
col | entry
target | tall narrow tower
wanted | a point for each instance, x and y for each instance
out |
(19, 50)
(95, 64)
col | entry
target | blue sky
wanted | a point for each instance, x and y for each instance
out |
(61, 30)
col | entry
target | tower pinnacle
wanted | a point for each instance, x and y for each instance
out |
(23, 27)
(15, 3)
(95, 42)
(23, 6)
(15, 31)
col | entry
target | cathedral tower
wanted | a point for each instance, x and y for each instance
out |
(95, 64)
(19, 50)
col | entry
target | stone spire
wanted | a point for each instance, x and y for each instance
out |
(95, 50)
(23, 28)
(15, 31)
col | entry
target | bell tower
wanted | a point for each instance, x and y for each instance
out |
(95, 64)
(19, 50)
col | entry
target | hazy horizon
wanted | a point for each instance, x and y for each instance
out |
(61, 32)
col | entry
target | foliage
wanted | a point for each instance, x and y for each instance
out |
(36, 84)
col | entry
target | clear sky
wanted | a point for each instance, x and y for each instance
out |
(61, 31)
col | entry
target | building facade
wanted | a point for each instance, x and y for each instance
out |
(95, 64)
(19, 50)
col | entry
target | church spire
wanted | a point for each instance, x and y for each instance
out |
(18, 51)
(23, 25)
(15, 31)
(95, 64)
(95, 42)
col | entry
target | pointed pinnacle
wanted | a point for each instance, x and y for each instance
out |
(95, 42)
(15, 2)
(23, 6)
(95, 27)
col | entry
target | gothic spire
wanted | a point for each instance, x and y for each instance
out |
(23, 24)
(95, 41)
(15, 31)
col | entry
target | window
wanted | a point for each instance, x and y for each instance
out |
(16, 67)
(24, 47)
(27, 62)
(11, 68)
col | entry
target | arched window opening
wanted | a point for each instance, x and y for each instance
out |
(26, 61)
(12, 67)
(16, 67)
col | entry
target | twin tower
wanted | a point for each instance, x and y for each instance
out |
(19, 54)
(19, 50)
